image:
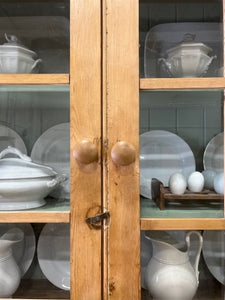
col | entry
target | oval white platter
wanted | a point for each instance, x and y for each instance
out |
(214, 253)
(53, 252)
(214, 154)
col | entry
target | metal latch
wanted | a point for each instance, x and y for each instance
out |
(95, 222)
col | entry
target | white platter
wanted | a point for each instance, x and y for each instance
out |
(8, 137)
(214, 154)
(214, 253)
(53, 253)
(52, 148)
(165, 36)
(23, 251)
(163, 153)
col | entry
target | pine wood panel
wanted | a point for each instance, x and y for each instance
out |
(183, 224)
(122, 109)
(35, 217)
(85, 89)
(181, 83)
(34, 79)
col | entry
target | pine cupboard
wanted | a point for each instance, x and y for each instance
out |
(109, 102)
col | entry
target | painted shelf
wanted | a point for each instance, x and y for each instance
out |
(178, 215)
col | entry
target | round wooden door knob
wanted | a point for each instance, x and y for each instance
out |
(86, 152)
(123, 154)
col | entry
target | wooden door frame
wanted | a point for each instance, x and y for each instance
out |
(85, 124)
(121, 123)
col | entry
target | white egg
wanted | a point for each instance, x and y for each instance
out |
(209, 176)
(177, 183)
(219, 183)
(196, 182)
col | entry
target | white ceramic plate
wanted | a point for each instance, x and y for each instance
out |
(53, 253)
(9, 137)
(163, 153)
(23, 251)
(214, 253)
(213, 155)
(53, 148)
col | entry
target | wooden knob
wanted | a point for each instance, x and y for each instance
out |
(123, 154)
(86, 152)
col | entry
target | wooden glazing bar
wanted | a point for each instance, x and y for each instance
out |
(16, 79)
(181, 83)
(182, 224)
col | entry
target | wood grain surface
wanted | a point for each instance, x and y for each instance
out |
(85, 120)
(122, 124)
(16, 79)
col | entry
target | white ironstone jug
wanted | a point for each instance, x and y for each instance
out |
(9, 270)
(169, 274)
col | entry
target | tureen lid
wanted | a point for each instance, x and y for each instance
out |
(189, 42)
(22, 167)
(14, 43)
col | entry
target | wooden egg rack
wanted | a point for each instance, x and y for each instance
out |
(161, 193)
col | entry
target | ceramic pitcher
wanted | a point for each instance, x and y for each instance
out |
(9, 270)
(169, 274)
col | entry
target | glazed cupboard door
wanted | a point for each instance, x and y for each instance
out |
(163, 104)
(50, 144)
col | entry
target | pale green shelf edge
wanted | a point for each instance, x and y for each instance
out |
(188, 209)
(57, 205)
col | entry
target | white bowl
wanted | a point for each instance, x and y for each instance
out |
(15, 58)
(188, 59)
(188, 64)
(23, 183)
(18, 64)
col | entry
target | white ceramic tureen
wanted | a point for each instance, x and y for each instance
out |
(188, 59)
(16, 58)
(23, 183)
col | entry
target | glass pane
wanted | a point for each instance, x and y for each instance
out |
(168, 265)
(181, 132)
(36, 121)
(181, 38)
(36, 36)
(39, 263)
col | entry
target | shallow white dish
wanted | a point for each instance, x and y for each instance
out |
(8, 137)
(23, 251)
(214, 154)
(165, 36)
(53, 253)
(52, 148)
(163, 153)
(214, 253)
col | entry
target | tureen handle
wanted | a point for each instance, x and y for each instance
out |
(12, 150)
(57, 181)
(198, 252)
(35, 64)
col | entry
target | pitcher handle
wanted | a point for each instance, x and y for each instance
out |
(198, 252)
